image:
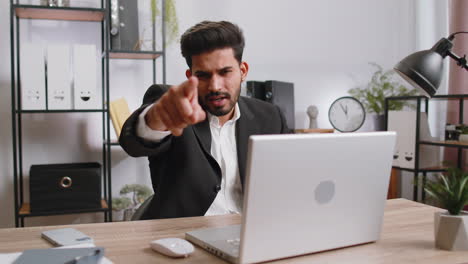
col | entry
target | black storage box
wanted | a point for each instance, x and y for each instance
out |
(70, 186)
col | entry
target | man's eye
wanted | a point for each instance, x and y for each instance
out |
(224, 72)
(202, 76)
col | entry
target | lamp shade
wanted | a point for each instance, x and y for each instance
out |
(423, 70)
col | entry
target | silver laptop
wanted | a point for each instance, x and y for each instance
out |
(306, 193)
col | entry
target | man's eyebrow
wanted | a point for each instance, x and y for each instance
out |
(219, 70)
(226, 68)
(201, 72)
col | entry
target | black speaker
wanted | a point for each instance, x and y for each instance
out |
(282, 95)
(275, 92)
(256, 89)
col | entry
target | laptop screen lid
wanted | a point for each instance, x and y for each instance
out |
(313, 192)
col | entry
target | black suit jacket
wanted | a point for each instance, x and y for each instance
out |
(185, 177)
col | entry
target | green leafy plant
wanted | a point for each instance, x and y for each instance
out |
(170, 20)
(382, 84)
(121, 203)
(139, 194)
(463, 129)
(450, 190)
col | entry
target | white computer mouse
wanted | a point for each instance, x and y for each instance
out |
(172, 247)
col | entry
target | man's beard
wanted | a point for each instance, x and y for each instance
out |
(221, 111)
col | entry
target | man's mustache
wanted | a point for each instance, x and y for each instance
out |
(224, 94)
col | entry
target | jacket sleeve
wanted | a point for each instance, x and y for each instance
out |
(136, 146)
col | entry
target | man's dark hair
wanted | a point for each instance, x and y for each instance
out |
(208, 35)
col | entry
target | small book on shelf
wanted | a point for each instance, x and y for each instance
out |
(119, 112)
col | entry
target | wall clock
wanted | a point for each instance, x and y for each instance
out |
(346, 114)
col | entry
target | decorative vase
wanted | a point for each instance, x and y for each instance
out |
(379, 122)
(451, 231)
(118, 215)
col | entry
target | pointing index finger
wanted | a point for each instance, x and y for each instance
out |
(190, 88)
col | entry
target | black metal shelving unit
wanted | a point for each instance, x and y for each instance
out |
(60, 111)
(460, 98)
(111, 54)
(18, 12)
(98, 15)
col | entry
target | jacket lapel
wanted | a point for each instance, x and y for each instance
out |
(245, 126)
(203, 134)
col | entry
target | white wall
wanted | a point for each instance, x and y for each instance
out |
(431, 24)
(322, 46)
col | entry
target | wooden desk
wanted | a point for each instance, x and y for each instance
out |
(314, 130)
(407, 238)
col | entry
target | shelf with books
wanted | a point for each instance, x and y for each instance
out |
(101, 15)
(422, 106)
(19, 109)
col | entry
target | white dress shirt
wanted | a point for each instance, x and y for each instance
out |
(224, 151)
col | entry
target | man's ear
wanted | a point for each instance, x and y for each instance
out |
(188, 73)
(244, 68)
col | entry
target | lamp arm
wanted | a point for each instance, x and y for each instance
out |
(452, 36)
(461, 61)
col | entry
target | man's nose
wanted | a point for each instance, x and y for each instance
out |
(215, 83)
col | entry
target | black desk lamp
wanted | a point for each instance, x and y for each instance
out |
(424, 69)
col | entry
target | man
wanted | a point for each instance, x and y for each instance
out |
(195, 134)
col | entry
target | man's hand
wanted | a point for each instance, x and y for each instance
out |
(176, 109)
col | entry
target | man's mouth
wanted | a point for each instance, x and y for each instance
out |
(218, 99)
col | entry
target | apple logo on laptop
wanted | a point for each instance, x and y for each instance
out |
(324, 192)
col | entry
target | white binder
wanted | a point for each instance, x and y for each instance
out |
(58, 77)
(404, 123)
(32, 77)
(85, 77)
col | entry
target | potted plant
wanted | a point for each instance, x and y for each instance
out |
(463, 137)
(450, 191)
(119, 205)
(124, 206)
(382, 84)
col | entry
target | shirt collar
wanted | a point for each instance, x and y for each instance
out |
(214, 120)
